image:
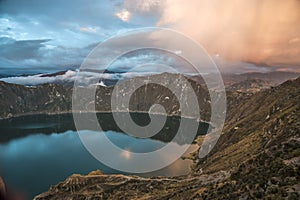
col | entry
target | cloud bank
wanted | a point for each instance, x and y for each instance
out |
(258, 31)
(241, 35)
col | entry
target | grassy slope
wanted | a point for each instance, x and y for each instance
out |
(260, 146)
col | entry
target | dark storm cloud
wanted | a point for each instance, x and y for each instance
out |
(53, 33)
(34, 56)
(21, 50)
(68, 22)
(57, 12)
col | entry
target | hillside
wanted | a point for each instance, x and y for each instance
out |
(250, 85)
(257, 156)
(18, 100)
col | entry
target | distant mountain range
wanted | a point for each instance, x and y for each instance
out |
(267, 79)
(110, 78)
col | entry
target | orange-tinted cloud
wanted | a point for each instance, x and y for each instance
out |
(124, 15)
(260, 31)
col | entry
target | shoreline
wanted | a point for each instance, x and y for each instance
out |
(97, 112)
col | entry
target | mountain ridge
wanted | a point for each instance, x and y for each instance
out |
(18, 100)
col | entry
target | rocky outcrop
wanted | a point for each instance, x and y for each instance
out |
(2, 189)
(98, 186)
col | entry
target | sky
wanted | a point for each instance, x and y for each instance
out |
(241, 35)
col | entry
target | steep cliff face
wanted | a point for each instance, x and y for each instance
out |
(20, 100)
(51, 98)
(257, 156)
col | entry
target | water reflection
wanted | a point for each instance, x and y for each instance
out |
(41, 151)
(48, 124)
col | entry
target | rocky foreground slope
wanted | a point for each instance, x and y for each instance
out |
(257, 156)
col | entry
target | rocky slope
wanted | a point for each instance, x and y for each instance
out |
(54, 98)
(257, 156)
(270, 78)
(98, 186)
(250, 85)
(260, 145)
(18, 99)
